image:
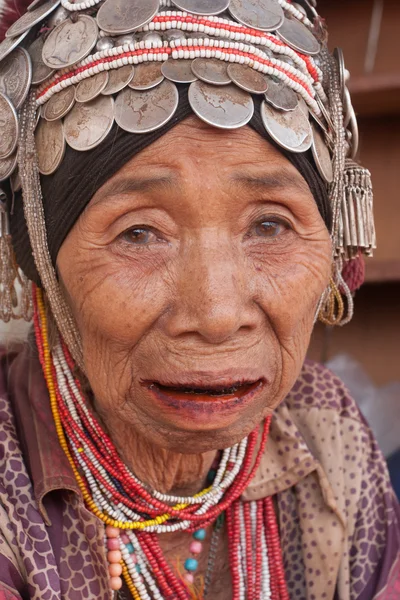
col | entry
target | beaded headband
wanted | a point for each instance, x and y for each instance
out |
(68, 71)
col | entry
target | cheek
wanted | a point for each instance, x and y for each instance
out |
(291, 282)
(114, 302)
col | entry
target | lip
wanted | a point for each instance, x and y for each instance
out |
(199, 404)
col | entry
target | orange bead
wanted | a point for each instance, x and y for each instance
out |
(114, 556)
(115, 583)
(115, 570)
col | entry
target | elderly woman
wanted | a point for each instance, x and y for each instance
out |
(179, 186)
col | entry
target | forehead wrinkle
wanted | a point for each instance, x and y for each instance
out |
(280, 180)
(130, 185)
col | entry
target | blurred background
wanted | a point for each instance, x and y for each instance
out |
(365, 353)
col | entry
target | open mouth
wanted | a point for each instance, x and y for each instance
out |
(205, 393)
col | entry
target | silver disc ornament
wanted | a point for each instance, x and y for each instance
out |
(146, 76)
(178, 70)
(280, 96)
(211, 70)
(142, 112)
(7, 166)
(16, 76)
(248, 79)
(118, 79)
(70, 42)
(202, 7)
(40, 71)
(59, 105)
(299, 37)
(291, 130)
(32, 18)
(50, 145)
(88, 89)
(8, 44)
(321, 155)
(117, 17)
(266, 15)
(87, 125)
(226, 107)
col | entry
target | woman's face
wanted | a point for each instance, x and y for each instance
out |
(198, 266)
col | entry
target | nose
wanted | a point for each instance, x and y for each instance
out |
(214, 297)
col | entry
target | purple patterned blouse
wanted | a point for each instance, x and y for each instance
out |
(339, 519)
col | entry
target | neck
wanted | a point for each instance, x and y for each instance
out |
(166, 471)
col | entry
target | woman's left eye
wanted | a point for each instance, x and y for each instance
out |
(140, 236)
(269, 228)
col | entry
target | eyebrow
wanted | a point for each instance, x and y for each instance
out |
(142, 184)
(279, 180)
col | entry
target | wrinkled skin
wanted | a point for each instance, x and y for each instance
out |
(212, 270)
(209, 273)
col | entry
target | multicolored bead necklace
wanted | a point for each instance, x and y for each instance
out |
(135, 516)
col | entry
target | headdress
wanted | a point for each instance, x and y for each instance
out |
(71, 73)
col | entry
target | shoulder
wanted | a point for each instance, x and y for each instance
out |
(318, 388)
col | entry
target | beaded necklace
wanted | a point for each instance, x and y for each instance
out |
(135, 515)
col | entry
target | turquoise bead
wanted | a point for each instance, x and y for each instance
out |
(138, 569)
(130, 548)
(191, 564)
(211, 475)
(200, 535)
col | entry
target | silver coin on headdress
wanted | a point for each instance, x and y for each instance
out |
(146, 76)
(266, 15)
(59, 105)
(9, 128)
(211, 70)
(8, 44)
(50, 145)
(280, 96)
(16, 76)
(310, 113)
(40, 71)
(291, 130)
(202, 7)
(124, 16)
(70, 42)
(178, 70)
(87, 125)
(31, 18)
(248, 79)
(299, 37)
(226, 107)
(7, 166)
(118, 79)
(88, 89)
(141, 112)
(321, 155)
